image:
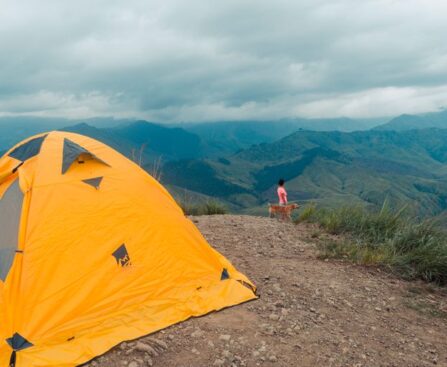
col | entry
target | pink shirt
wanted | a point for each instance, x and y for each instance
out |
(282, 195)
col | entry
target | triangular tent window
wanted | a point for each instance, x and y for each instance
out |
(95, 182)
(28, 150)
(10, 213)
(72, 152)
(224, 275)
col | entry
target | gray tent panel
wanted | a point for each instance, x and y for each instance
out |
(95, 182)
(18, 342)
(71, 153)
(10, 213)
(28, 150)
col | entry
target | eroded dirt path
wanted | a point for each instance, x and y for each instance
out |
(310, 312)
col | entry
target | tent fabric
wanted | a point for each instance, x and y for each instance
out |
(8, 166)
(93, 268)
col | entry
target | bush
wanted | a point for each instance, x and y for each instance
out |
(386, 237)
(210, 207)
(307, 214)
(189, 209)
(213, 207)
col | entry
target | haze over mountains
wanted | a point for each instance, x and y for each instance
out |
(423, 121)
(220, 136)
(330, 161)
(14, 129)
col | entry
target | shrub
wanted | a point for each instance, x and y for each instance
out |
(189, 209)
(210, 207)
(213, 207)
(307, 214)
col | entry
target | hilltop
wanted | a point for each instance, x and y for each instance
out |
(311, 312)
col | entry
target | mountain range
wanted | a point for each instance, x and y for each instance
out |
(216, 138)
(330, 168)
(332, 162)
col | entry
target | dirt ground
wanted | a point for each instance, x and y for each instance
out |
(311, 312)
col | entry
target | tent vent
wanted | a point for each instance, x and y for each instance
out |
(95, 182)
(122, 256)
(18, 342)
(225, 275)
(28, 150)
(72, 152)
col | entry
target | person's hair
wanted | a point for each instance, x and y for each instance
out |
(281, 182)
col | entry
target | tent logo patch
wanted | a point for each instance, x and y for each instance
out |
(122, 256)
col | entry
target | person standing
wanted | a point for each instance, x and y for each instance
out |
(282, 193)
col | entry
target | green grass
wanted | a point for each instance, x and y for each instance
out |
(213, 207)
(307, 213)
(210, 207)
(357, 252)
(414, 250)
(425, 308)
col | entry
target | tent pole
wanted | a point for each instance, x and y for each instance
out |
(12, 361)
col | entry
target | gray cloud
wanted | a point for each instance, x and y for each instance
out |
(178, 60)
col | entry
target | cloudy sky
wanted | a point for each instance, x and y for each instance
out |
(204, 60)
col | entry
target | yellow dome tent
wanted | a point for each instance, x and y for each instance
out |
(94, 251)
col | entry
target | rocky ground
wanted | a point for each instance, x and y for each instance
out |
(311, 312)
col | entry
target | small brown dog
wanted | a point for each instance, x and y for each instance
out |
(284, 211)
